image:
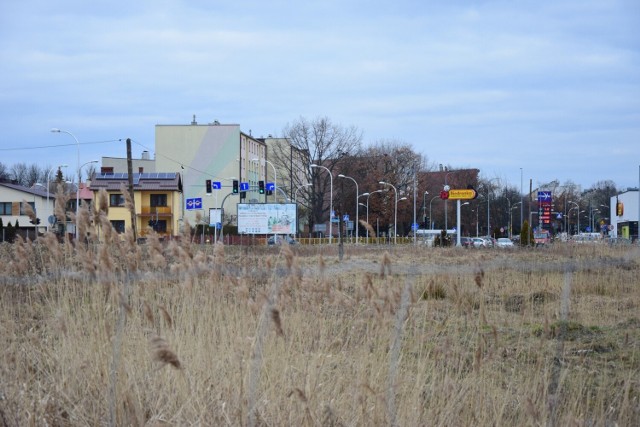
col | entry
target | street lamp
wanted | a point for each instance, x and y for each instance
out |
(49, 191)
(395, 219)
(511, 217)
(313, 165)
(430, 218)
(458, 221)
(424, 205)
(55, 130)
(78, 193)
(275, 177)
(357, 196)
(578, 215)
(488, 212)
(369, 195)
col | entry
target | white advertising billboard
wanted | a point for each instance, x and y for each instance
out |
(267, 218)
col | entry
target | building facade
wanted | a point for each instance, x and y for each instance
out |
(218, 152)
(625, 211)
(145, 164)
(12, 209)
(157, 199)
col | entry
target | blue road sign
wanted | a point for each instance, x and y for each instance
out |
(414, 226)
(218, 225)
(270, 186)
(244, 186)
(216, 185)
(544, 196)
(194, 203)
(345, 218)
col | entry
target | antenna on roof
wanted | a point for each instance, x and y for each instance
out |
(194, 120)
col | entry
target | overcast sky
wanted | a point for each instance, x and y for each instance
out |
(552, 87)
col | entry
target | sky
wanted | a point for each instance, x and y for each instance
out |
(522, 90)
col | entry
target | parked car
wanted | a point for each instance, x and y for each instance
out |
(466, 242)
(504, 242)
(479, 242)
(278, 240)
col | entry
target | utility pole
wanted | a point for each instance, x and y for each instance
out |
(133, 200)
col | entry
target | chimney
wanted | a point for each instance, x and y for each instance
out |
(145, 155)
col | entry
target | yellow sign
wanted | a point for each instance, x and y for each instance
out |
(462, 194)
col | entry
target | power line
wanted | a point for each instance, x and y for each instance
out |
(58, 145)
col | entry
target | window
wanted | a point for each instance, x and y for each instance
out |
(5, 208)
(160, 226)
(158, 200)
(118, 225)
(106, 169)
(23, 211)
(116, 200)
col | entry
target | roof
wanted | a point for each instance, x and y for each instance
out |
(36, 191)
(153, 181)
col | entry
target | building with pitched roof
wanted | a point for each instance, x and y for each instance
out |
(157, 199)
(12, 209)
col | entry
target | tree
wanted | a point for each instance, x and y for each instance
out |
(4, 172)
(324, 143)
(526, 235)
(10, 233)
(18, 173)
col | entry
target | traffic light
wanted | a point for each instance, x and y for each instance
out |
(261, 187)
(235, 186)
(208, 182)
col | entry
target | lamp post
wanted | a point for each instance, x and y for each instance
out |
(488, 212)
(295, 201)
(430, 218)
(275, 177)
(424, 206)
(78, 193)
(369, 195)
(55, 130)
(446, 188)
(49, 191)
(395, 216)
(313, 165)
(511, 217)
(578, 215)
(592, 212)
(458, 221)
(357, 196)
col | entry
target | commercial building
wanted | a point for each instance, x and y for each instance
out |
(625, 211)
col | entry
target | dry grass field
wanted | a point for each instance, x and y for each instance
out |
(179, 334)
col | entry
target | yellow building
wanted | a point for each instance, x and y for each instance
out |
(157, 199)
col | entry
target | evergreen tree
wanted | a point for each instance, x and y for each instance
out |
(526, 235)
(10, 233)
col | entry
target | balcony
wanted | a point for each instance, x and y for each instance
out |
(155, 210)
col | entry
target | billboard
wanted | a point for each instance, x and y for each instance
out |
(267, 218)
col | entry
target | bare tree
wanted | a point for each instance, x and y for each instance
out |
(18, 173)
(324, 143)
(4, 172)
(34, 173)
(91, 171)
